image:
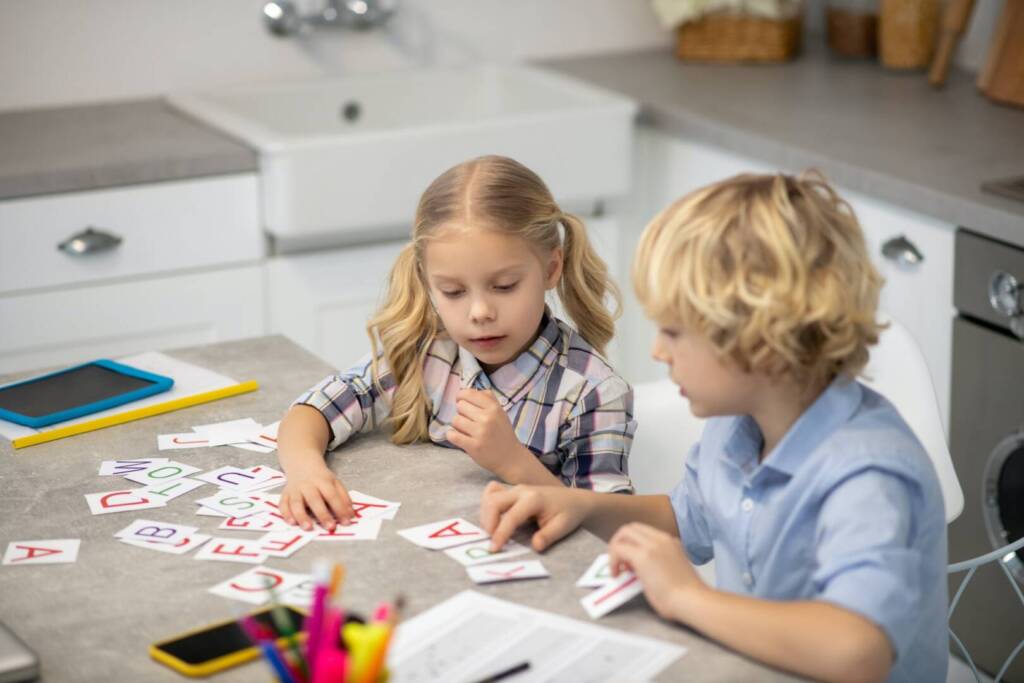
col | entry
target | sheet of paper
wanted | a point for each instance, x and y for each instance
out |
(364, 530)
(232, 550)
(180, 548)
(161, 473)
(158, 532)
(471, 636)
(598, 573)
(479, 552)
(507, 571)
(171, 489)
(122, 500)
(52, 551)
(123, 467)
(612, 595)
(254, 586)
(447, 533)
(189, 380)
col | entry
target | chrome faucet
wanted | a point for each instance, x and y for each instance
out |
(283, 19)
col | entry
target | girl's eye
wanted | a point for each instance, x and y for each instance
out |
(506, 288)
(452, 294)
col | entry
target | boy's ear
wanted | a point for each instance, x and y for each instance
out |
(554, 269)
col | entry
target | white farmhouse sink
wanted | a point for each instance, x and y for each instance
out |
(322, 172)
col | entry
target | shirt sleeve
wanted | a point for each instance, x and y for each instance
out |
(691, 517)
(866, 559)
(594, 441)
(350, 401)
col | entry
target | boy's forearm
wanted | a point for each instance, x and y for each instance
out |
(606, 512)
(814, 639)
(302, 437)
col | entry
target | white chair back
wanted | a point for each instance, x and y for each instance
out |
(666, 430)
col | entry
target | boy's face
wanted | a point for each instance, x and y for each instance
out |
(488, 289)
(713, 386)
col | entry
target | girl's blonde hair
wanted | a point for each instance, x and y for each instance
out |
(495, 193)
(772, 269)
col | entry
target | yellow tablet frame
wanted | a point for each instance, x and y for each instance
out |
(219, 664)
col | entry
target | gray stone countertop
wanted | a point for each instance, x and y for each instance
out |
(886, 134)
(68, 149)
(95, 619)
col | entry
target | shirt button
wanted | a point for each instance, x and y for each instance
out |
(747, 505)
(748, 579)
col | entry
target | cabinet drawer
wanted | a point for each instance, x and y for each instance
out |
(162, 227)
(64, 326)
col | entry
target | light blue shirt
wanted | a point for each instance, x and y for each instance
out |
(846, 509)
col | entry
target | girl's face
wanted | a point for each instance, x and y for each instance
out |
(488, 288)
(712, 385)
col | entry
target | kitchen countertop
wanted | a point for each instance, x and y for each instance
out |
(885, 134)
(93, 620)
(68, 149)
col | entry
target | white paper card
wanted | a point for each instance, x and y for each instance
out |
(158, 532)
(180, 548)
(174, 442)
(262, 523)
(365, 530)
(612, 595)
(232, 550)
(253, 586)
(284, 543)
(598, 573)
(232, 504)
(447, 533)
(123, 500)
(232, 431)
(54, 551)
(301, 595)
(368, 507)
(170, 490)
(472, 554)
(507, 571)
(266, 436)
(161, 473)
(123, 467)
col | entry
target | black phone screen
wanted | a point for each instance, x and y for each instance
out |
(221, 640)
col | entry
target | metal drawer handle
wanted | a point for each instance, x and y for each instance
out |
(902, 251)
(89, 241)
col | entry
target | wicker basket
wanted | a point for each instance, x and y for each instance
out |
(728, 38)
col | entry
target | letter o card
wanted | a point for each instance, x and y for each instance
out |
(507, 571)
(42, 552)
(162, 472)
(253, 586)
(447, 533)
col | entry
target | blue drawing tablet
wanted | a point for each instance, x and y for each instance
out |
(74, 392)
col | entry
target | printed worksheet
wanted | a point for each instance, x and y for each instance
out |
(472, 636)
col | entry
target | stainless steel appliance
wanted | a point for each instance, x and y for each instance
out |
(987, 443)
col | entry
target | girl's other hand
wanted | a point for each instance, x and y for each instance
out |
(659, 561)
(315, 490)
(482, 429)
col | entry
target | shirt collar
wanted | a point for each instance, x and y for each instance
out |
(517, 376)
(835, 405)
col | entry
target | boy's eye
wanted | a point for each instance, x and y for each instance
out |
(506, 288)
(670, 333)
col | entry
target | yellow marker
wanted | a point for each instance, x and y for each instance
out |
(137, 414)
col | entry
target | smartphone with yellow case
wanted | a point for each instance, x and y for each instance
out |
(209, 649)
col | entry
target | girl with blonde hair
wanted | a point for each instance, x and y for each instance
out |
(465, 353)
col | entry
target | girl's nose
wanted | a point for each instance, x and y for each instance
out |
(481, 310)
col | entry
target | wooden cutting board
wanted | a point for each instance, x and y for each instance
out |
(1002, 77)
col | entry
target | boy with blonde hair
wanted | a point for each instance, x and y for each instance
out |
(821, 509)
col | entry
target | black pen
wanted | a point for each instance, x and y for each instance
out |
(518, 668)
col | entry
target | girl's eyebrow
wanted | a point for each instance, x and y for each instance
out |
(440, 277)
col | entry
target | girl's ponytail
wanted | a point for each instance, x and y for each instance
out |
(585, 284)
(401, 331)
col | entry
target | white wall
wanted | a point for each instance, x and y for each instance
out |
(55, 52)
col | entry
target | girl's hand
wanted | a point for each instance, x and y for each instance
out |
(659, 561)
(557, 510)
(482, 429)
(315, 487)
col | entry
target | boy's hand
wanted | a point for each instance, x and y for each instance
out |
(317, 489)
(503, 510)
(482, 429)
(659, 561)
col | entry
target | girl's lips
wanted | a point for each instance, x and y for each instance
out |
(487, 342)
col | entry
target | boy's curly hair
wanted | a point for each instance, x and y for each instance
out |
(772, 269)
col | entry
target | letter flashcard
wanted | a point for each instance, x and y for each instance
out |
(158, 532)
(180, 548)
(55, 551)
(161, 473)
(364, 530)
(612, 595)
(253, 586)
(598, 574)
(479, 552)
(121, 501)
(232, 550)
(367, 507)
(284, 543)
(447, 533)
(170, 490)
(231, 504)
(507, 571)
(173, 442)
(123, 467)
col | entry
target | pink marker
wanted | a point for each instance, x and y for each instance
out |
(321, 575)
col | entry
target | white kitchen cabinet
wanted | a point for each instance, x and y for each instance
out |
(75, 324)
(920, 296)
(186, 270)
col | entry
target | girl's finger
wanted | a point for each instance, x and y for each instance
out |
(299, 514)
(338, 501)
(319, 509)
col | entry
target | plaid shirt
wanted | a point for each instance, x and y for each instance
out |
(564, 401)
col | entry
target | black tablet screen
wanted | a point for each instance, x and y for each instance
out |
(70, 389)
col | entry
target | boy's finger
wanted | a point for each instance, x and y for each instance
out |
(514, 517)
(552, 531)
(493, 503)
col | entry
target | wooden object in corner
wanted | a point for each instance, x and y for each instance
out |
(1002, 77)
(958, 13)
(731, 38)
